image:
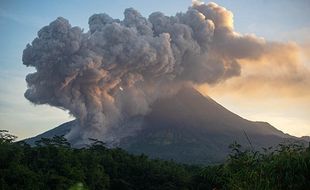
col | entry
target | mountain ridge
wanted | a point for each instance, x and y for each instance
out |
(191, 128)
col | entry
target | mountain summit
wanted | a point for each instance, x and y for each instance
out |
(190, 128)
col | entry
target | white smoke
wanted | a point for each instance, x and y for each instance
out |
(117, 69)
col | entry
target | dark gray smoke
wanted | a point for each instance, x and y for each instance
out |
(117, 69)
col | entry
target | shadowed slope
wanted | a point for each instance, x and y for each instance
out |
(191, 128)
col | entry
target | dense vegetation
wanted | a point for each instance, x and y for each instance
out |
(53, 164)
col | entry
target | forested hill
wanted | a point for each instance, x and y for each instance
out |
(53, 164)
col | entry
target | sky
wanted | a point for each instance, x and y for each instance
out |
(267, 90)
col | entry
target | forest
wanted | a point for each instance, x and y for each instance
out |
(54, 164)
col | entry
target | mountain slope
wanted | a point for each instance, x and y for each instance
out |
(57, 131)
(191, 128)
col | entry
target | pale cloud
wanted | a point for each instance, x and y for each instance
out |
(275, 87)
(279, 68)
(17, 114)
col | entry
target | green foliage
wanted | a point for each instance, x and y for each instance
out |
(78, 186)
(53, 164)
(285, 167)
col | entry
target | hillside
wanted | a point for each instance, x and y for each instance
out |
(191, 128)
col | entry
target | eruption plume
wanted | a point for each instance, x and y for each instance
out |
(118, 68)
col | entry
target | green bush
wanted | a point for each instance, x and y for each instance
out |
(53, 164)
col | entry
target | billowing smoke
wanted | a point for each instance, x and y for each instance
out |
(118, 68)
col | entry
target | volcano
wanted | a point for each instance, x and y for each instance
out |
(190, 128)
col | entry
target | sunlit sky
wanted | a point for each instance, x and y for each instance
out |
(285, 104)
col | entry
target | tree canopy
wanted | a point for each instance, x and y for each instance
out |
(54, 164)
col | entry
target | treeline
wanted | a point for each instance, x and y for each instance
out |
(53, 164)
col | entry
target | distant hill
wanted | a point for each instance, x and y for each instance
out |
(306, 138)
(191, 128)
(57, 131)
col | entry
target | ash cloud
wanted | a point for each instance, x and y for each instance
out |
(118, 68)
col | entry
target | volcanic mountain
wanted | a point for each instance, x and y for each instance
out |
(191, 128)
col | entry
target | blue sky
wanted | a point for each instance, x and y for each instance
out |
(281, 20)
